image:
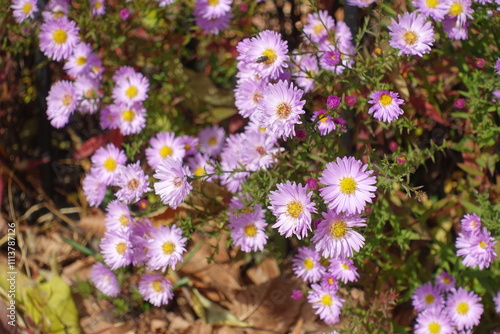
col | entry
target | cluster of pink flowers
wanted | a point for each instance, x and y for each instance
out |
(442, 308)
(475, 243)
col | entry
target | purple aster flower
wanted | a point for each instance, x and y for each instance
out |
(107, 119)
(471, 223)
(93, 188)
(163, 146)
(497, 65)
(330, 282)
(334, 236)
(118, 217)
(95, 65)
(427, 297)
(333, 102)
(280, 108)
(292, 206)
(132, 181)
(305, 69)
(496, 301)
(130, 119)
(436, 9)
(461, 10)
(56, 9)
(104, 280)
(58, 38)
(412, 35)
(307, 265)
(350, 100)
(98, 7)
(297, 295)
(106, 161)
(434, 321)
(165, 247)
(344, 270)
(348, 185)
(455, 30)
(214, 25)
(116, 249)
(312, 184)
(190, 144)
(360, 3)
(465, 308)
(140, 237)
(317, 27)
(124, 13)
(202, 166)
(247, 95)
(326, 303)
(77, 63)
(211, 140)
(330, 60)
(210, 9)
(24, 9)
(156, 289)
(233, 163)
(87, 91)
(266, 54)
(324, 121)
(445, 282)
(260, 149)
(459, 103)
(385, 105)
(478, 249)
(173, 185)
(61, 103)
(131, 87)
(248, 231)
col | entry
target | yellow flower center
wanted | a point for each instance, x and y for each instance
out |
(344, 266)
(97, 4)
(157, 286)
(187, 147)
(262, 129)
(308, 263)
(178, 181)
(212, 141)
(123, 220)
(326, 300)
(67, 99)
(80, 61)
(110, 164)
(256, 98)
(213, 2)
(90, 94)
(385, 100)
(456, 9)
(200, 171)
(473, 224)
(131, 92)
(323, 118)
(121, 247)
(482, 244)
(338, 229)
(318, 28)
(250, 230)
(429, 299)
(347, 185)
(462, 308)
(58, 15)
(283, 110)
(271, 56)
(166, 151)
(410, 37)
(59, 36)
(432, 3)
(434, 328)
(128, 115)
(168, 247)
(27, 7)
(133, 184)
(294, 209)
(446, 280)
(260, 150)
(330, 280)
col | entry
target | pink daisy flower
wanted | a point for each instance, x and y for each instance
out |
(77, 63)
(104, 280)
(465, 308)
(106, 161)
(87, 91)
(61, 103)
(385, 105)
(329, 60)
(318, 25)
(478, 249)
(132, 181)
(434, 321)
(129, 118)
(213, 25)
(248, 231)
(58, 38)
(163, 146)
(280, 108)
(173, 185)
(165, 247)
(305, 70)
(324, 121)
(267, 54)
(348, 185)
(260, 149)
(56, 9)
(93, 188)
(471, 223)
(190, 144)
(24, 9)
(330, 281)
(155, 289)
(292, 206)
(211, 9)
(202, 166)
(436, 9)
(118, 217)
(445, 282)
(460, 10)
(131, 87)
(412, 35)
(454, 30)
(344, 269)
(326, 303)
(140, 236)
(232, 163)
(334, 236)
(247, 95)
(497, 66)
(211, 140)
(427, 297)
(306, 264)
(98, 7)
(116, 249)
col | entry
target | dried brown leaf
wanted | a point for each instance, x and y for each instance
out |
(94, 222)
